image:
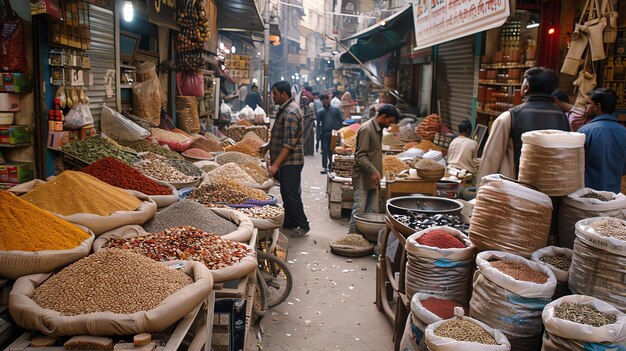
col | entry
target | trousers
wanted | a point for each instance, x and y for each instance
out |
(326, 138)
(364, 202)
(290, 177)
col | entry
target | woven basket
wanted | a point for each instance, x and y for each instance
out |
(350, 251)
(430, 174)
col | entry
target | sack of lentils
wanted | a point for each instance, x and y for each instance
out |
(579, 323)
(509, 294)
(439, 261)
(36, 241)
(226, 259)
(558, 259)
(510, 217)
(599, 259)
(465, 334)
(587, 203)
(82, 199)
(129, 294)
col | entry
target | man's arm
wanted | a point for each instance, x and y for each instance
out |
(282, 156)
(496, 146)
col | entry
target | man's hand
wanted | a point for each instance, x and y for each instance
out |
(376, 178)
(273, 170)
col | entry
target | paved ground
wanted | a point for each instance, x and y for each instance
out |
(332, 305)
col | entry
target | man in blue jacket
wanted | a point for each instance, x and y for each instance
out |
(605, 143)
(328, 119)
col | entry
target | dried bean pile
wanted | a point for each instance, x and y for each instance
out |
(355, 240)
(259, 178)
(234, 156)
(263, 212)
(186, 243)
(185, 167)
(162, 171)
(443, 308)
(583, 314)
(148, 146)
(110, 280)
(520, 271)
(420, 221)
(229, 171)
(592, 195)
(560, 262)
(190, 213)
(440, 239)
(226, 191)
(464, 331)
(393, 165)
(610, 227)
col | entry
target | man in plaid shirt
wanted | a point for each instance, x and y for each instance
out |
(287, 158)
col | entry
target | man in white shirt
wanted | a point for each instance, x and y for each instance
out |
(462, 152)
(335, 102)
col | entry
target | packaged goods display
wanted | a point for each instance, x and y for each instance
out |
(190, 213)
(121, 175)
(92, 149)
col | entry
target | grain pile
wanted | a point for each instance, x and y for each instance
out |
(392, 141)
(110, 281)
(610, 228)
(236, 157)
(166, 135)
(228, 171)
(592, 195)
(560, 262)
(356, 240)
(263, 212)
(162, 171)
(392, 165)
(583, 314)
(190, 213)
(520, 271)
(227, 191)
(464, 331)
(243, 148)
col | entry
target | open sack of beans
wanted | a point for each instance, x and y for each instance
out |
(229, 192)
(439, 261)
(82, 199)
(250, 174)
(587, 203)
(174, 141)
(351, 245)
(121, 175)
(558, 259)
(553, 161)
(599, 259)
(36, 241)
(226, 259)
(268, 217)
(579, 323)
(510, 217)
(464, 334)
(509, 294)
(129, 294)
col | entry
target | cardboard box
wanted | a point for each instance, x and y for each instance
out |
(229, 324)
(87, 132)
(9, 102)
(56, 126)
(14, 135)
(17, 172)
(58, 139)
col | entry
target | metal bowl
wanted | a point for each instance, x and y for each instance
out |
(423, 204)
(370, 224)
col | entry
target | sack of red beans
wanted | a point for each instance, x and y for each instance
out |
(439, 261)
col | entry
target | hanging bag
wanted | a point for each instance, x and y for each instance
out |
(610, 32)
(580, 39)
(12, 57)
(596, 25)
(190, 83)
(585, 82)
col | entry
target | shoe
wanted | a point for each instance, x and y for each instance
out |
(324, 171)
(299, 232)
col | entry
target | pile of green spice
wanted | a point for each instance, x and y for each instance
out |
(121, 175)
(583, 314)
(148, 146)
(92, 149)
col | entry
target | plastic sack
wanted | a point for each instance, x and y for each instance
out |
(553, 161)
(598, 265)
(566, 335)
(147, 101)
(187, 114)
(120, 128)
(190, 83)
(139, 121)
(166, 121)
(412, 338)
(146, 71)
(562, 276)
(510, 217)
(78, 117)
(225, 113)
(12, 57)
(421, 318)
(438, 343)
(247, 113)
(511, 305)
(259, 115)
(574, 208)
(442, 272)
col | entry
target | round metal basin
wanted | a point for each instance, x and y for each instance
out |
(370, 224)
(424, 204)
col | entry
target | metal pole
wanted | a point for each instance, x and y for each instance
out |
(266, 62)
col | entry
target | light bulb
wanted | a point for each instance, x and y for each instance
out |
(128, 11)
(232, 49)
(221, 45)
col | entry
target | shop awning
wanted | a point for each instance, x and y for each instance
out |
(388, 35)
(239, 15)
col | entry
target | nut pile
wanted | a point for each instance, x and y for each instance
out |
(342, 166)
(186, 243)
(464, 331)
(110, 280)
(355, 240)
(428, 165)
(520, 271)
(611, 228)
(227, 191)
(393, 165)
(263, 212)
(162, 171)
(238, 132)
(420, 221)
(583, 314)
(189, 213)
(592, 195)
(229, 171)
(234, 156)
(148, 146)
(259, 178)
(560, 262)
(185, 167)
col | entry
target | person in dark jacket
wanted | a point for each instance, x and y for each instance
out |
(254, 99)
(328, 119)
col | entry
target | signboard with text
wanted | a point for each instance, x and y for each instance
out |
(439, 21)
(162, 13)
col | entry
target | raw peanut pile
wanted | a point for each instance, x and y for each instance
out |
(560, 262)
(254, 174)
(262, 212)
(610, 227)
(229, 171)
(111, 280)
(464, 331)
(162, 171)
(583, 314)
(392, 164)
(520, 271)
(356, 240)
(226, 191)
(186, 243)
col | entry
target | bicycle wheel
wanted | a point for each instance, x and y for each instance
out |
(277, 277)
(260, 298)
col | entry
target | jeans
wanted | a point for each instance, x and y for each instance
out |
(364, 202)
(290, 177)
(326, 138)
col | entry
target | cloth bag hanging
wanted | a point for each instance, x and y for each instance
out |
(596, 25)
(585, 83)
(610, 32)
(582, 35)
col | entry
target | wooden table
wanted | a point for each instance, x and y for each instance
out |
(409, 186)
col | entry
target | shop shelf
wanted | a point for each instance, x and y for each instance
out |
(482, 82)
(14, 145)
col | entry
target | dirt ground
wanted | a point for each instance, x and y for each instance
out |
(331, 306)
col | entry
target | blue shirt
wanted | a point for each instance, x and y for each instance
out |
(328, 119)
(605, 153)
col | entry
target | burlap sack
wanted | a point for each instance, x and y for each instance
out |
(566, 335)
(509, 305)
(573, 208)
(29, 315)
(239, 270)
(266, 186)
(438, 343)
(15, 264)
(562, 277)
(165, 200)
(245, 228)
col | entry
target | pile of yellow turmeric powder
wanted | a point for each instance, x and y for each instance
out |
(26, 227)
(77, 192)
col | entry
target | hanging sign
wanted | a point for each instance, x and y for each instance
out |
(162, 13)
(440, 21)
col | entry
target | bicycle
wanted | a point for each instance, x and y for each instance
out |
(273, 275)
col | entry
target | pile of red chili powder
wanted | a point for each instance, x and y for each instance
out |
(443, 308)
(441, 239)
(121, 175)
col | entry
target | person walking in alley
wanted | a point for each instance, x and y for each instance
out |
(504, 147)
(368, 162)
(308, 143)
(253, 98)
(287, 159)
(328, 119)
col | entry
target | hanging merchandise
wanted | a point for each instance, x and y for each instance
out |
(190, 83)
(585, 82)
(558, 259)
(580, 39)
(187, 112)
(610, 32)
(194, 32)
(12, 57)
(78, 117)
(147, 99)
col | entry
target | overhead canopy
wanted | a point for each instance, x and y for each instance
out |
(239, 15)
(382, 38)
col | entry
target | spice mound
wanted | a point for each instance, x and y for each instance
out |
(464, 331)
(162, 171)
(520, 271)
(443, 308)
(355, 240)
(583, 314)
(92, 149)
(207, 144)
(440, 239)
(162, 134)
(234, 156)
(77, 192)
(198, 154)
(592, 195)
(229, 171)
(256, 172)
(189, 213)
(22, 225)
(263, 212)
(144, 145)
(243, 148)
(560, 262)
(226, 191)
(110, 281)
(186, 243)
(610, 228)
(392, 164)
(121, 175)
